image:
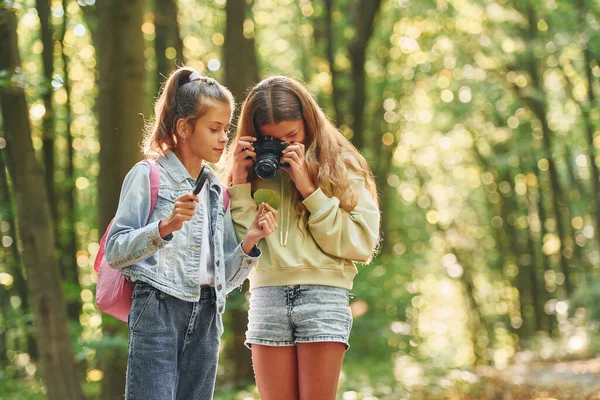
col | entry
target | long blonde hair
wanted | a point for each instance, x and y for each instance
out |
(185, 96)
(329, 155)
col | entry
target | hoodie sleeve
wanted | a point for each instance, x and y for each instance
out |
(351, 235)
(243, 208)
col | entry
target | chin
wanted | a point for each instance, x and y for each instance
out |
(212, 159)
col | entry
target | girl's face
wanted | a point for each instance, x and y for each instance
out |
(207, 141)
(286, 131)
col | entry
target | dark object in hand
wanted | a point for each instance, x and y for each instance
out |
(268, 153)
(201, 180)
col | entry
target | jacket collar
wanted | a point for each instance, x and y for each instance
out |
(175, 168)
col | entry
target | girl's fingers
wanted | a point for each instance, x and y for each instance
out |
(272, 210)
(185, 205)
(261, 209)
(293, 155)
(248, 153)
(264, 227)
(269, 221)
(293, 163)
(187, 198)
(294, 148)
(273, 220)
(186, 213)
(269, 218)
(243, 146)
(245, 156)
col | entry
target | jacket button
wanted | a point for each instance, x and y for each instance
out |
(173, 195)
(219, 286)
(155, 242)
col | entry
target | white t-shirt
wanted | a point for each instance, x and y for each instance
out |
(206, 257)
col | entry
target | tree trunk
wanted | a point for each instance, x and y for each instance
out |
(166, 28)
(36, 229)
(15, 268)
(539, 109)
(335, 92)
(238, 51)
(589, 126)
(364, 17)
(121, 100)
(43, 9)
(69, 245)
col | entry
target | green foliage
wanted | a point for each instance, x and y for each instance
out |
(471, 269)
(268, 196)
(587, 297)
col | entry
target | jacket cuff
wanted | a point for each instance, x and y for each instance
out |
(247, 259)
(155, 242)
(245, 262)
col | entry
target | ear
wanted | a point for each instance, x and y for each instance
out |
(182, 128)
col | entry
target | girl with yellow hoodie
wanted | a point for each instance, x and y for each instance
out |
(299, 320)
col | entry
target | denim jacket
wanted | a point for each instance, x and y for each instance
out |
(172, 264)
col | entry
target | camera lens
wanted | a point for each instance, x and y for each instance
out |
(266, 166)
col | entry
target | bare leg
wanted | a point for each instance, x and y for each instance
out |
(275, 369)
(319, 366)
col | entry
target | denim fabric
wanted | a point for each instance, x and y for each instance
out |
(173, 265)
(173, 345)
(286, 315)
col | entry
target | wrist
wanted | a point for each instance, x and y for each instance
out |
(307, 191)
(164, 228)
(248, 245)
(239, 179)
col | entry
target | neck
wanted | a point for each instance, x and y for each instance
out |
(191, 163)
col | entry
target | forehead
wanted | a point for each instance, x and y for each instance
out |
(282, 128)
(219, 112)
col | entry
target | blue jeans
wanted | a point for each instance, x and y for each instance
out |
(173, 345)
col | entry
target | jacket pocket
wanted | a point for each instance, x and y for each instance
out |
(165, 202)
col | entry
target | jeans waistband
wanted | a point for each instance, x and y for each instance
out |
(207, 292)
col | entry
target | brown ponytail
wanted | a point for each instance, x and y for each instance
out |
(185, 96)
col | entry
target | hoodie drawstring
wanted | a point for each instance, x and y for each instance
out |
(283, 233)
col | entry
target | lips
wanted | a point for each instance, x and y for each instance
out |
(220, 151)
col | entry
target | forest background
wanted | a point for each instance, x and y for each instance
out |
(479, 119)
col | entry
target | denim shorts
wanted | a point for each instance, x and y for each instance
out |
(286, 315)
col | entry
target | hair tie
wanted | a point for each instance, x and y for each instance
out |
(194, 76)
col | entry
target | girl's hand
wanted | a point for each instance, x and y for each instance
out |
(265, 223)
(184, 210)
(298, 170)
(243, 157)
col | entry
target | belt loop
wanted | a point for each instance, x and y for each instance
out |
(161, 295)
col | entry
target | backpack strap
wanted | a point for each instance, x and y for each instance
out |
(154, 183)
(226, 197)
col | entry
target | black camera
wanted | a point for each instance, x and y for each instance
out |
(268, 153)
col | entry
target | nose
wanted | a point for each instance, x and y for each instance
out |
(224, 138)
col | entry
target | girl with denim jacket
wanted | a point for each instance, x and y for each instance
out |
(299, 320)
(184, 258)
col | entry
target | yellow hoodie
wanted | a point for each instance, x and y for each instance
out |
(324, 255)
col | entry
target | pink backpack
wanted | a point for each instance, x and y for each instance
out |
(113, 291)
